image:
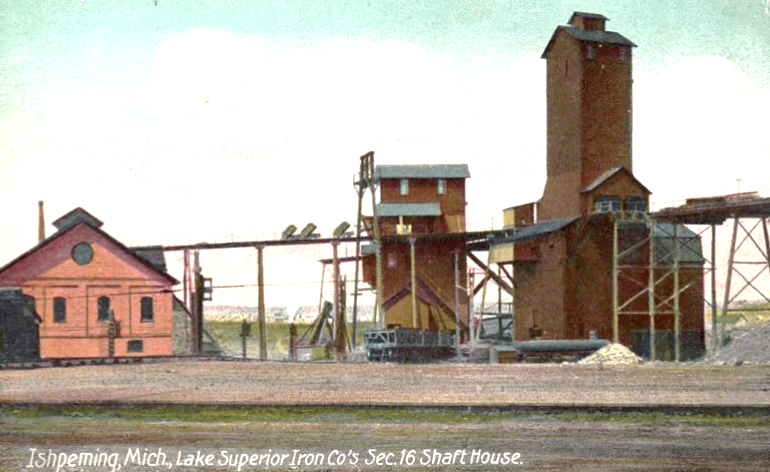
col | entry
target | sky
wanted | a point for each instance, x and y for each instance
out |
(177, 121)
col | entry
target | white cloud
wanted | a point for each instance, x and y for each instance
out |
(699, 125)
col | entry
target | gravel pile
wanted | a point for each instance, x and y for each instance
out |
(751, 347)
(612, 354)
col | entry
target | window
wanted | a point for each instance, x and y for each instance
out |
(636, 204)
(591, 53)
(59, 310)
(148, 311)
(404, 186)
(135, 346)
(606, 203)
(103, 308)
(442, 186)
(82, 253)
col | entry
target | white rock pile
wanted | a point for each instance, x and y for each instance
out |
(752, 347)
(612, 354)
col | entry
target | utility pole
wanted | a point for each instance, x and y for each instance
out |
(367, 164)
(197, 305)
(261, 304)
(340, 335)
(360, 185)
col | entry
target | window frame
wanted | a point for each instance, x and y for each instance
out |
(147, 312)
(59, 310)
(634, 204)
(103, 313)
(404, 186)
(607, 204)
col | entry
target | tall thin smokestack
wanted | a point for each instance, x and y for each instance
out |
(40, 221)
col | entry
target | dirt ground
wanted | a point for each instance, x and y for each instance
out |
(373, 384)
(581, 438)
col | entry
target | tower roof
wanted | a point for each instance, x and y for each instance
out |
(582, 29)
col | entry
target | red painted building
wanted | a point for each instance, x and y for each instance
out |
(562, 255)
(424, 204)
(95, 297)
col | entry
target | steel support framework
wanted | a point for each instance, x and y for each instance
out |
(741, 209)
(743, 243)
(659, 267)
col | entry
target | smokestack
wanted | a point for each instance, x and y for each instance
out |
(40, 221)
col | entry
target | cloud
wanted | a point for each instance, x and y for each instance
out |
(699, 125)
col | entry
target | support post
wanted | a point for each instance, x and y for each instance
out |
(677, 314)
(651, 293)
(483, 298)
(261, 303)
(471, 307)
(413, 269)
(767, 242)
(615, 256)
(728, 280)
(336, 279)
(197, 305)
(360, 191)
(513, 281)
(340, 333)
(379, 314)
(457, 302)
(714, 329)
(321, 292)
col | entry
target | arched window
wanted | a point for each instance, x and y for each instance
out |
(103, 307)
(148, 309)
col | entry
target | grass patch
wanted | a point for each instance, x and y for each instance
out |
(364, 415)
(228, 335)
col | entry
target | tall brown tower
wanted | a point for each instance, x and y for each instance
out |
(589, 112)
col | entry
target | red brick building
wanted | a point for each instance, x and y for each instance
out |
(562, 257)
(80, 278)
(423, 204)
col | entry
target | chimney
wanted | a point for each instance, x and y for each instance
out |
(40, 221)
(588, 21)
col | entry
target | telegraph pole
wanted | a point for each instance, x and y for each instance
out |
(261, 303)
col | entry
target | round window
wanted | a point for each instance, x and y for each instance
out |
(82, 253)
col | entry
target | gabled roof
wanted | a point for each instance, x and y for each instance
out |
(79, 217)
(408, 209)
(609, 175)
(422, 171)
(588, 36)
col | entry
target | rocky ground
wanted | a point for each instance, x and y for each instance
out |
(751, 346)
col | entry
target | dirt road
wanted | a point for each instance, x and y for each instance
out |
(375, 384)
